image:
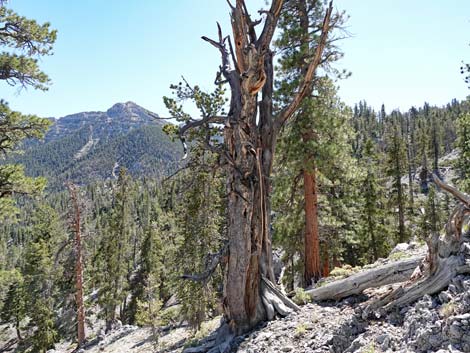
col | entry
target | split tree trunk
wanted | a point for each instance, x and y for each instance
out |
(250, 133)
(76, 226)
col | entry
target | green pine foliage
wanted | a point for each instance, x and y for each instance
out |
(39, 274)
(200, 222)
(463, 142)
(374, 221)
(396, 159)
(115, 252)
(23, 42)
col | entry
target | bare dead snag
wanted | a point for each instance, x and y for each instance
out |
(448, 255)
(76, 228)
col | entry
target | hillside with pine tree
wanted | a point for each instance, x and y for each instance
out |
(263, 215)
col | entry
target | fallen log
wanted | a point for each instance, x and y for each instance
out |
(395, 272)
(448, 255)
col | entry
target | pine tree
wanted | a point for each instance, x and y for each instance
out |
(396, 169)
(115, 253)
(23, 40)
(463, 142)
(146, 283)
(250, 132)
(39, 277)
(14, 306)
(298, 43)
(373, 214)
(76, 227)
(328, 120)
(200, 217)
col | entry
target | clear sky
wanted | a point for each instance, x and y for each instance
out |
(401, 52)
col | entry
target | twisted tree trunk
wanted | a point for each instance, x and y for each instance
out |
(250, 132)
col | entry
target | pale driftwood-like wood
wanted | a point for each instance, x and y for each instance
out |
(394, 272)
(447, 269)
(448, 255)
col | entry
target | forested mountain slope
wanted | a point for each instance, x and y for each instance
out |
(90, 146)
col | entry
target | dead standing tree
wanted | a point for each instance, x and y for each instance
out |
(250, 130)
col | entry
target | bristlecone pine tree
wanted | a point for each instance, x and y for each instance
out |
(250, 131)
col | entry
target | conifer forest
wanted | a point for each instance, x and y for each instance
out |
(261, 213)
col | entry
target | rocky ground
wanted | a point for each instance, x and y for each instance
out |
(438, 323)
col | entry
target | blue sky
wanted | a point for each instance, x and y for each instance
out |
(401, 53)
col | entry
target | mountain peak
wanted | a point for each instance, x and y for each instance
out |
(129, 110)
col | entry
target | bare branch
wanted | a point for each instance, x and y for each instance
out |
(212, 261)
(270, 24)
(450, 189)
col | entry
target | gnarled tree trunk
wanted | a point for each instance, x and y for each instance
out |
(250, 133)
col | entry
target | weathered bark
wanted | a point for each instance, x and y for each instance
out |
(76, 227)
(448, 256)
(398, 271)
(312, 269)
(250, 132)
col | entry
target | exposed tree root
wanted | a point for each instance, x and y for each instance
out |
(275, 301)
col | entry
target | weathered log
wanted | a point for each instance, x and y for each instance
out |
(398, 271)
(448, 256)
(446, 269)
